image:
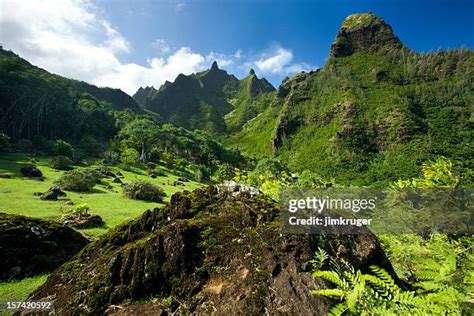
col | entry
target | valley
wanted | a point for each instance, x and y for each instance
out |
(175, 191)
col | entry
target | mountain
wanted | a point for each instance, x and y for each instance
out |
(36, 102)
(142, 94)
(202, 100)
(373, 113)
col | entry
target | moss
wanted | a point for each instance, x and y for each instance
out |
(361, 20)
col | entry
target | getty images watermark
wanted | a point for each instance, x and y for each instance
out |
(360, 211)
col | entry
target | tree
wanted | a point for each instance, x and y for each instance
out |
(140, 134)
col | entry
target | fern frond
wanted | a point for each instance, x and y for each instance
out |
(329, 293)
(338, 310)
(333, 277)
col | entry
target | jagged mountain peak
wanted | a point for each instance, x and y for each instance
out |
(214, 66)
(363, 32)
(252, 72)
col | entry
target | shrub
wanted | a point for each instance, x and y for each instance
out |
(62, 148)
(61, 163)
(4, 142)
(143, 190)
(78, 180)
(129, 156)
(110, 157)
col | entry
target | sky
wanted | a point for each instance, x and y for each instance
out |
(128, 44)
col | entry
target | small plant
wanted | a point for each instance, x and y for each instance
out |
(81, 209)
(320, 257)
(78, 180)
(61, 163)
(144, 190)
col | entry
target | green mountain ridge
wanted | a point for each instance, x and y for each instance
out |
(373, 113)
(34, 102)
(211, 100)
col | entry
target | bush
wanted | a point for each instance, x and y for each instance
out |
(4, 142)
(110, 157)
(143, 190)
(61, 163)
(129, 156)
(62, 148)
(79, 180)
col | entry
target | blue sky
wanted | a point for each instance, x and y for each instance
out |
(128, 44)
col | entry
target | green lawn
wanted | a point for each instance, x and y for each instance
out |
(20, 290)
(16, 193)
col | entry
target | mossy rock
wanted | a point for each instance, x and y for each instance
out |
(203, 252)
(30, 246)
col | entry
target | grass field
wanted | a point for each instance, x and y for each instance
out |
(106, 200)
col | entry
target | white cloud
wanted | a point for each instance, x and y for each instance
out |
(280, 62)
(70, 38)
(115, 41)
(162, 46)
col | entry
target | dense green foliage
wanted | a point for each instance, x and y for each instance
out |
(143, 190)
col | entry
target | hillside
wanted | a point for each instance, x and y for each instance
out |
(36, 102)
(212, 100)
(373, 113)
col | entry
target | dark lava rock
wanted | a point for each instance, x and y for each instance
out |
(29, 245)
(117, 180)
(31, 172)
(363, 32)
(52, 194)
(119, 174)
(183, 179)
(82, 221)
(212, 254)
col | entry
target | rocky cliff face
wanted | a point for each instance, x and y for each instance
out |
(363, 32)
(142, 94)
(205, 252)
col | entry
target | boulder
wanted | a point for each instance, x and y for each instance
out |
(82, 221)
(117, 180)
(204, 252)
(52, 194)
(119, 174)
(183, 179)
(233, 188)
(29, 245)
(31, 172)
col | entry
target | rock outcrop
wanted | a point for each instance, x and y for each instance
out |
(205, 252)
(363, 32)
(29, 245)
(31, 172)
